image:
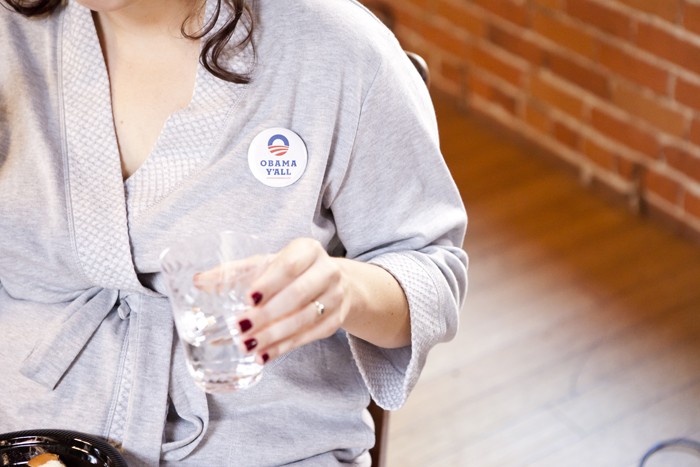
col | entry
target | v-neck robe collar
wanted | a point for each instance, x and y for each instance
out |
(95, 190)
(185, 144)
(189, 136)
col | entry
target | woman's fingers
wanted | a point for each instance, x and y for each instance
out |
(291, 332)
(293, 299)
(284, 267)
(319, 279)
(292, 279)
(286, 315)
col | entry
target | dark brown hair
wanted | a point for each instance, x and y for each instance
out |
(214, 46)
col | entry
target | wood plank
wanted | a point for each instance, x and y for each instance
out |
(623, 443)
(580, 338)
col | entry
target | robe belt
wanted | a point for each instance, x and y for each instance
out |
(52, 356)
(153, 345)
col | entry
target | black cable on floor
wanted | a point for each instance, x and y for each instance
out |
(676, 443)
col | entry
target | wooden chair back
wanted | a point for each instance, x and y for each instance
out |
(381, 430)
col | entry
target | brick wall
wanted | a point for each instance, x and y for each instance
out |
(610, 86)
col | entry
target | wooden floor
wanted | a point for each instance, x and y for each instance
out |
(579, 342)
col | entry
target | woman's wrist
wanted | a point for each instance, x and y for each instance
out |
(377, 310)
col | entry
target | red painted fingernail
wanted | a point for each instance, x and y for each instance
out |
(245, 325)
(265, 357)
(250, 344)
(257, 298)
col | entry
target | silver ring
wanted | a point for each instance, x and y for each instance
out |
(320, 308)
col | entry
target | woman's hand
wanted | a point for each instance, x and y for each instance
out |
(304, 295)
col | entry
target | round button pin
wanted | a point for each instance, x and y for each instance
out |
(277, 157)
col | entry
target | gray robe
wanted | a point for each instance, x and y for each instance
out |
(87, 334)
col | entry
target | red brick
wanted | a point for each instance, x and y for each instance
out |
(555, 96)
(683, 161)
(627, 169)
(538, 60)
(566, 135)
(565, 34)
(631, 66)
(551, 4)
(504, 69)
(584, 76)
(446, 40)
(695, 131)
(663, 186)
(650, 109)
(599, 155)
(419, 3)
(691, 17)
(667, 9)
(518, 44)
(505, 100)
(462, 18)
(688, 93)
(400, 4)
(625, 132)
(485, 89)
(405, 18)
(476, 85)
(536, 117)
(600, 16)
(669, 46)
(511, 10)
(691, 204)
(453, 72)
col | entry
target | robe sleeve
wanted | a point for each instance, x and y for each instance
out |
(412, 223)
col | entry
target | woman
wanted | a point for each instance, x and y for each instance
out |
(128, 124)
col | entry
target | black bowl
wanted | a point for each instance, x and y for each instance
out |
(73, 448)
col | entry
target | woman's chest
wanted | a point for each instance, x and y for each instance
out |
(144, 94)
